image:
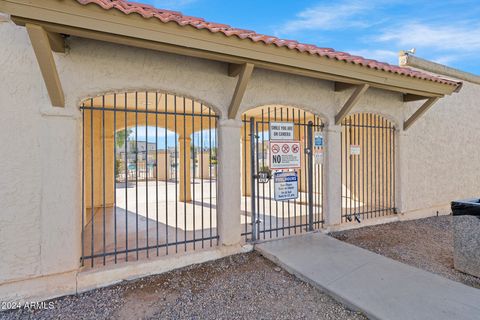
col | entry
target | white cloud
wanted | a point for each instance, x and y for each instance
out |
(329, 17)
(448, 38)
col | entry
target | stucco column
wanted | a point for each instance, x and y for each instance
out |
(246, 176)
(229, 195)
(332, 172)
(400, 176)
(184, 168)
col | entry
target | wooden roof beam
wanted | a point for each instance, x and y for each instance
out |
(244, 73)
(414, 117)
(41, 43)
(351, 102)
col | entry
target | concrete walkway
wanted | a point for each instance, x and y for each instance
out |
(378, 286)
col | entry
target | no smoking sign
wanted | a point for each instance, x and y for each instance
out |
(285, 155)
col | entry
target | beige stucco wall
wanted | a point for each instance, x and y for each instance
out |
(441, 153)
(40, 180)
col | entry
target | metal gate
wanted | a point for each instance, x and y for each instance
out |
(148, 176)
(262, 216)
(368, 167)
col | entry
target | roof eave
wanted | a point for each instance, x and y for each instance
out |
(96, 23)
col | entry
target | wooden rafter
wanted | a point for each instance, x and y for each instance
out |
(351, 102)
(42, 46)
(244, 74)
(414, 117)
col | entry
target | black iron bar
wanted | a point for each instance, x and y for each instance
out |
(146, 169)
(288, 201)
(310, 175)
(136, 173)
(104, 207)
(92, 210)
(194, 171)
(186, 163)
(176, 171)
(156, 173)
(201, 168)
(252, 172)
(294, 200)
(245, 174)
(115, 174)
(166, 172)
(263, 168)
(83, 187)
(269, 182)
(210, 170)
(126, 177)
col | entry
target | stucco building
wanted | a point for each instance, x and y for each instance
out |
(75, 73)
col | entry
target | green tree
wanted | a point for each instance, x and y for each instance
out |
(121, 135)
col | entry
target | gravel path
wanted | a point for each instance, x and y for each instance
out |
(245, 286)
(426, 244)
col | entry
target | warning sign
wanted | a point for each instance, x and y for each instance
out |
(286, 186)
(285, 155)
(281, 131)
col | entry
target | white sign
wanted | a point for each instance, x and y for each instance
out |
(286, 186)
(318, 139)
(354, 150)
(281, 131)
(318, 156)
(285, 155)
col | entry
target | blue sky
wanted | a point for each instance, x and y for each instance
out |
(447, 32)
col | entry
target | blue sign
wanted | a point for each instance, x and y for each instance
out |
(285, 185)
(318, 139)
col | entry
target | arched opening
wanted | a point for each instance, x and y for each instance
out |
(368, 167)
(149, 176)
(265, 214)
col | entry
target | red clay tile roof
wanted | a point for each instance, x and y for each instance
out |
(148, 11)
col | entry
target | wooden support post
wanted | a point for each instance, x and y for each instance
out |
(245, 72)
(351, 102)
(414, 117)
(42, 45)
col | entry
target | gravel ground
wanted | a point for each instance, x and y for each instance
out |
(245, 286)
(425, 243)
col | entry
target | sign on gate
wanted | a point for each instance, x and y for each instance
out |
(318, 139)
(285, 155)
(285, 186)
(281, 131)
(354, 149)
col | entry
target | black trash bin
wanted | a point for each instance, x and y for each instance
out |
(470, 207)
